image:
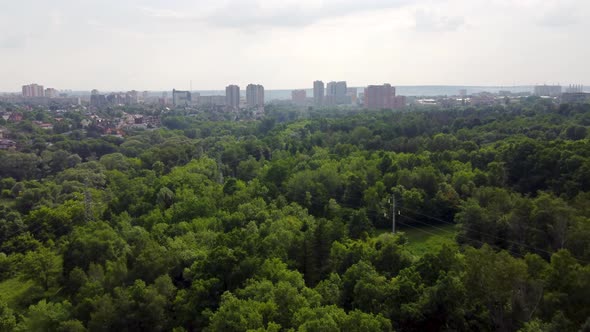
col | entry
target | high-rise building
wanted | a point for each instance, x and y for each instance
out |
(33, 90)
(51, 93)
(132, 97)
(548, 90)
(380, 97)
(232, 97)
(97, 100)
(336, 93)
(318, 93)
(255, 95)
(164, 99)
(299, 97)
(116, 99)
(181, 98)
(352, 93)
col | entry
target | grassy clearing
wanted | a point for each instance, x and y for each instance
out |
(424, 239)
(12, 289)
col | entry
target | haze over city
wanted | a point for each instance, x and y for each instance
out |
(159, 45)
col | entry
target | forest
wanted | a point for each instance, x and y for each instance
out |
(285, 223)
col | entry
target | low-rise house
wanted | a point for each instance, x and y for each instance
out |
(6, 144)
(15, 117)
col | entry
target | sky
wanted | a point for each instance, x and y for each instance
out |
(283, 44)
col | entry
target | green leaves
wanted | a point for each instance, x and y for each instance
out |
(43, 266)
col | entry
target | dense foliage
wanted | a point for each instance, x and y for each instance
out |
(280, 224)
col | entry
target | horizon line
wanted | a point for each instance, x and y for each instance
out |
(308, 88)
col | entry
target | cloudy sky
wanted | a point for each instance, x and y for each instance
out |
(164, 44)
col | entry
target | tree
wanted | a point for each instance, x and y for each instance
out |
(42, 266)
(359, 226)
(7, 319)
(390, 256)
(495, 281)
(240, 315)
(46, 316)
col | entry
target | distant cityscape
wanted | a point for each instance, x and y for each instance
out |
(117, 113)
(331, 94)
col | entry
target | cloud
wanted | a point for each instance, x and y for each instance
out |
(428, 21)
(248, 14)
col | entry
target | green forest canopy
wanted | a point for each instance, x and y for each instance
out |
(279, 224)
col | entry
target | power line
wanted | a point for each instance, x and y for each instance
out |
(480, 232)
(375, 214)
(449, 222)
(418, 228)
(484, 233)
(481, 242)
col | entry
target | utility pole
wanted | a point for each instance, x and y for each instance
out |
(392, 200)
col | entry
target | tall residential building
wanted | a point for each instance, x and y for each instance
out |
(380, 97)
(352, 93)
(318, 93)
(164, 99)
(336, 93)
(181, 98)
(548, 90)
(33, 90)
(299, 97)
(232, 97)
(255, 95)
(51, 93)
(97, 100)
(132, 97)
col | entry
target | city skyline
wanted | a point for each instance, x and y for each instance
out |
(143, 45)
(309, 87)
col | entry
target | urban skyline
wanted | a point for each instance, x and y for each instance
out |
(17, 89)
(57, 91)
(335, 93)
(340, 88)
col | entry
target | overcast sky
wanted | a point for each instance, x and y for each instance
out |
(282, 44)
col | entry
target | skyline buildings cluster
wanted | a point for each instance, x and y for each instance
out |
(35, 90)
(232, 100)
(337, 93)
(116, 98)
(334, 93)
